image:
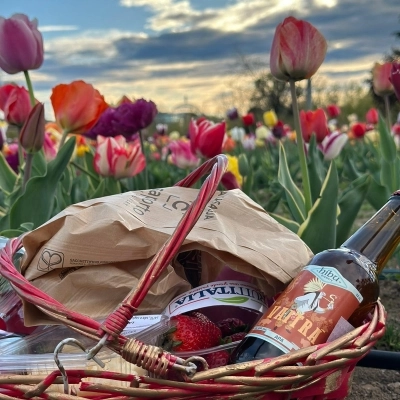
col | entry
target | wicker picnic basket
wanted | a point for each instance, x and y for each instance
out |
(317, 372)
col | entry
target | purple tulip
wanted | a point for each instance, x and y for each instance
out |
(126, 119)
(232, 113)
(21, 44)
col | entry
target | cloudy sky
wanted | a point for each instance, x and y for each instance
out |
(177, 51)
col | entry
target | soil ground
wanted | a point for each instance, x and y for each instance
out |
(380, 384)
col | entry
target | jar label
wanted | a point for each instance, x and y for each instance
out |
(308, 310)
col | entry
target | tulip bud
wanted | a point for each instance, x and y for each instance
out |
(244, 167)
(372, 116)
(21, 44)
(381, 79)
(270, 118)
(232, 113)
(32, 133)
(298, 50)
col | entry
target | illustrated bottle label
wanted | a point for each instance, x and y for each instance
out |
(308, 310)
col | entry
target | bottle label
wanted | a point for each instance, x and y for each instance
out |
(308, 310)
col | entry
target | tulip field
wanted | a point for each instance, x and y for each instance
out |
(320, 177)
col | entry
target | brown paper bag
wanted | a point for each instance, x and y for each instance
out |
(92, 254)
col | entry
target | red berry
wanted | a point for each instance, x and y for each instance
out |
(238, 336)
(229, 326)
(217, 359)
(190, 333)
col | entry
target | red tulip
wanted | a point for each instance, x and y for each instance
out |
(381, 79)
(15, 103)
(77, 106)
(395, 78)
(358, 130)
(206, 138)
(21, 44)
(333, 110)
(314, 122)
(248, 119)
(298, 50)
(372, 116)
(114, 157)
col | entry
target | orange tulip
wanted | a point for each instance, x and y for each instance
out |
(77, 106)
(298, 50)
(381, 79)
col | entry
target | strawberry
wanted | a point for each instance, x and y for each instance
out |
(191, 332)
(217, 359)
(238, 336)
(229, 326)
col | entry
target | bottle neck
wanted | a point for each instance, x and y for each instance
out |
(378, 238)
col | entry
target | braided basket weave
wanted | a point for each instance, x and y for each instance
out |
(313, 373)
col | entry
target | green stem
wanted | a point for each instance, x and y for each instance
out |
(20, 152)
(63, 137)
(77, 166)
(309, 94)
(145, 171)
(27, 169)
(30, 88)
(387, 110)
(300, 148)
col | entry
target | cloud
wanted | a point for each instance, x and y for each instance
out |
(198, 51)
(58, 28)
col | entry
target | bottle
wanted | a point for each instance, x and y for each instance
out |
(336, 283)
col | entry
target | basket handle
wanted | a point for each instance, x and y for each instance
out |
(119, 318)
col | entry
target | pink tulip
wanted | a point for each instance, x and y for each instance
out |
(314, 122)
(381, 79)
(21, 44)
(298, 50)
(333, 144)
(395, 78)
(372, 116)
(206, 138)
(49, 147)
(181, 154)
(115, 157)
(15, 103)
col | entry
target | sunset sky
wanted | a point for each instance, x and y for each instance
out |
(166, 50)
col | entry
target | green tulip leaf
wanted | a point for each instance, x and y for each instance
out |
(36, 204)
(88, 161)
(315, 168)
(386, 142)
(12, 233)
(288, 223)
(8, 177)
(318, 231)
(350, 203)
(377, 194)
(39, 164)
(100, 190)
(294, 196)
(274, 200)
(389, 174)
